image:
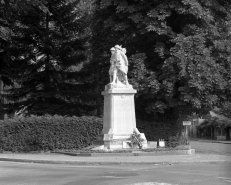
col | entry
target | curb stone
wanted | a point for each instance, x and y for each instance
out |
(105, 163)
(211, 141)
(134, 153)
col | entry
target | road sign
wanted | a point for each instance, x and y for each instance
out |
(186, 122)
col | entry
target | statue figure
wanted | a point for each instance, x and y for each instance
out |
(119, 65)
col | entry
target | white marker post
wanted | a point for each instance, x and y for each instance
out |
(185, 124)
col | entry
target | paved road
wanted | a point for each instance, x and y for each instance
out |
(209, 147)
(58, 174)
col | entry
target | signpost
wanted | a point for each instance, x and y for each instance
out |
(185, 124)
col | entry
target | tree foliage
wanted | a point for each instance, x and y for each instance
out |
(179, 52)
(47, 52)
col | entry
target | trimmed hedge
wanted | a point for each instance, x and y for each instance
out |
(157, 130)
(162, 130)
(43, 133)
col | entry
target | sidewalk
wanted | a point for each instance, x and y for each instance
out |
(210, 140)
(53, 158)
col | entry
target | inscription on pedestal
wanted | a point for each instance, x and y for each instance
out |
(123, 114)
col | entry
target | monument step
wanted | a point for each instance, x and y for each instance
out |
(134, 152)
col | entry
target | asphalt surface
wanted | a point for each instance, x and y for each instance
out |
(210, 173)
(212, 147)
(205, 152)
(211, 165)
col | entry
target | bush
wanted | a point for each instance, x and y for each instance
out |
(157, 130)
(44, 133)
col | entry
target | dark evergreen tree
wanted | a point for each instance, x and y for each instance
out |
(5, 19)
(48, 52)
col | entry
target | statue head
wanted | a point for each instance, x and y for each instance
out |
(113, 50)
(124, 50)
(117, 47)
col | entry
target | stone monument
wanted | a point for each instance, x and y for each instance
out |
(119, 120)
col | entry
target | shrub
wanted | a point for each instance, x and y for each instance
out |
(157, 130)
(43, 133)
(38, 133)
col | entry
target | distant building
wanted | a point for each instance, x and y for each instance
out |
(193, 130)
(218, 127)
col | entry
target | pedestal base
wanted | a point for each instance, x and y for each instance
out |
(113, 141)
(119, 122)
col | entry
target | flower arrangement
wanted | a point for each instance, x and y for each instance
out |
(136, 140)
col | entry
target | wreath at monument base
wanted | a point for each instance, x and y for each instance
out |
(136, 140)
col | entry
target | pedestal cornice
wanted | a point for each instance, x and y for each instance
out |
(118, 89)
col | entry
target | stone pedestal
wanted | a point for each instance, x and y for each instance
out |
(119, 121)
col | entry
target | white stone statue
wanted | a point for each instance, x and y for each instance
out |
(119, 120)
(119, 65)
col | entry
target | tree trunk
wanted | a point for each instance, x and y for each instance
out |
(1, 101)
(227, 133)
(99, 103)
(99, 107)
